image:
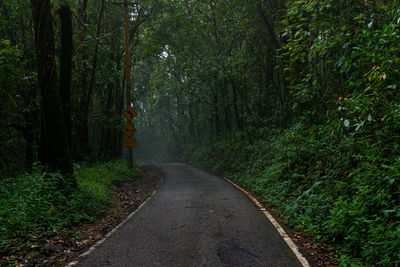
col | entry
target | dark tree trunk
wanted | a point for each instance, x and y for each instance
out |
(236, 108)
(227, 111)
(29, 137)
(216, 113)
(54, 150)
(95, 57)
(84, 135)
(31, 124)
(106, 146)
(80, 87)
(66, 66)
(284, 93)
(191, 120)
(120, 108)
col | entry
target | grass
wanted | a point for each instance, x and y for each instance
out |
(33, 208)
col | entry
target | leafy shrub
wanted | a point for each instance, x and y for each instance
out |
(32, 206)
(325, 182)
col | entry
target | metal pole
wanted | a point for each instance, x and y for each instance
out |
(127, 74)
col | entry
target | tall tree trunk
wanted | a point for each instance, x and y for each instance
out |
(86, 98)
(191, 120)
(95, 58)
(215, 111)
(54, 150)
(227, 110)
(235, 106)
(80, 86)
(120, 108)
(66, 66)
(284, 93)
(106, 146)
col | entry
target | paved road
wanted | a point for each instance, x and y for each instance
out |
(195, 219)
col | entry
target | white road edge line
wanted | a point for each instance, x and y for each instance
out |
(278, 227)
(98, 243)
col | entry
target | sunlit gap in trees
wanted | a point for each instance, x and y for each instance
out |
(165, 53)
(134, 14)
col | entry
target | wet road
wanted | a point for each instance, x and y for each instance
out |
(194, 219)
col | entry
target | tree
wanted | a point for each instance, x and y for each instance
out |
(80, 86)
(66, 67)
(54, 148)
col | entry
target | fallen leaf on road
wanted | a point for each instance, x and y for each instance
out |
(226, 217)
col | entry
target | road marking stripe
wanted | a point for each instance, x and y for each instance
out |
(98, 243)
(278, 227)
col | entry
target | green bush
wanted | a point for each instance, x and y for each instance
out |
(326, 183)
(32, 206)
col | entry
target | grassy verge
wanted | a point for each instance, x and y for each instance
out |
(33, 209)
(336, 187)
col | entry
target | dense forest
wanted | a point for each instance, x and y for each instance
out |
(296, 100)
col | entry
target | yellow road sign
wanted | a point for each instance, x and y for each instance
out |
(129, 114)
(129, 142)
(129, 130)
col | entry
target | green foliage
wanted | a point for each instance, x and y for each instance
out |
(220, 98)
(10, 67)
(309, 120)
(11, 100)
(32, 206)
(296, 100)
(319, 182)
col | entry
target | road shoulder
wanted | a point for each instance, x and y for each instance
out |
(127, 196)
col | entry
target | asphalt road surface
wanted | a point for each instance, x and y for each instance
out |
(194, 219)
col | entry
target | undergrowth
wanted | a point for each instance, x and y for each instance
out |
(33, 208)
(341, 187)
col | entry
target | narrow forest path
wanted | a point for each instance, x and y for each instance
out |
(194, 219)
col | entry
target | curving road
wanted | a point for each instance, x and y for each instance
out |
(195, 219)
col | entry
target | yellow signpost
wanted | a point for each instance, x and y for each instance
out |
(129, 130)
(129, 142)
(129, 114)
